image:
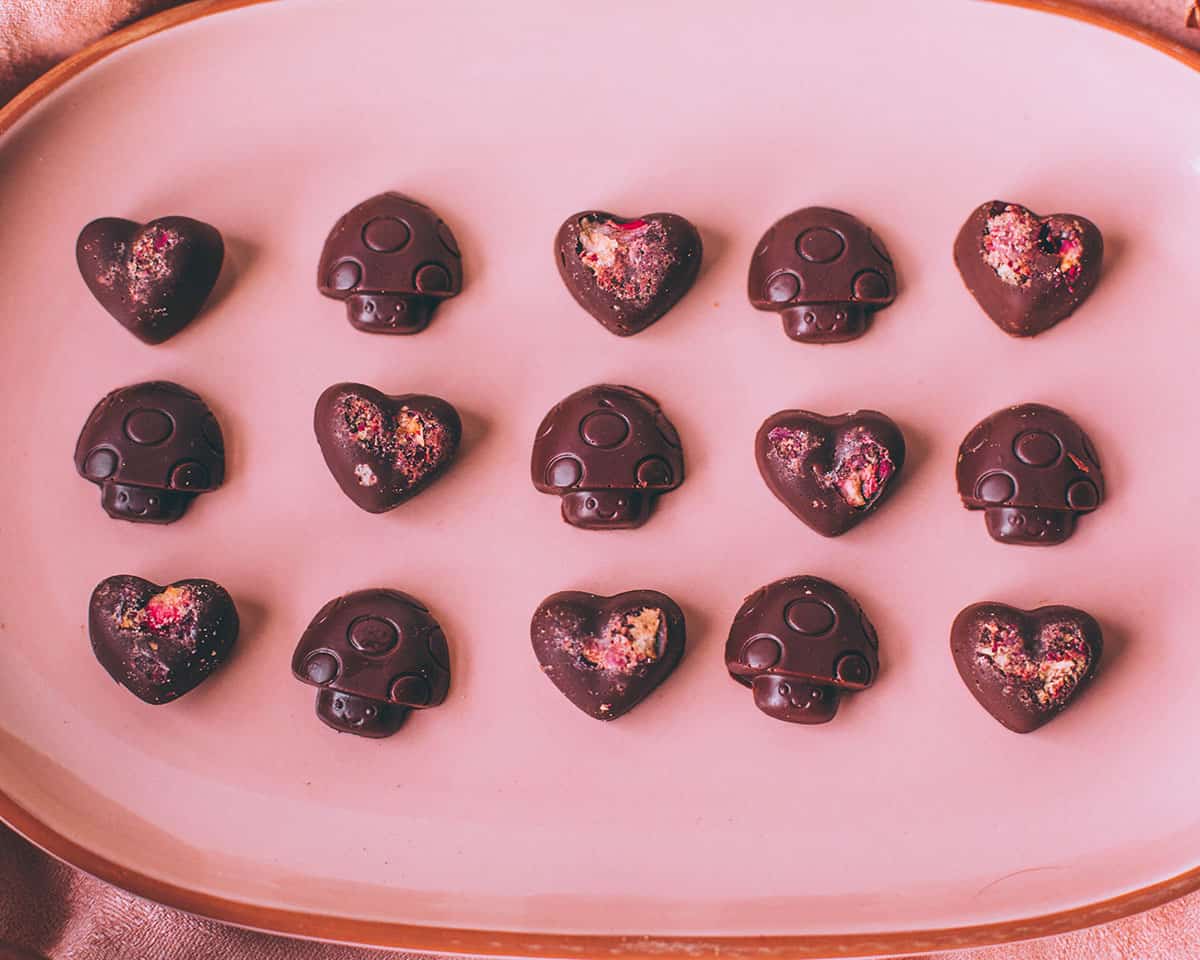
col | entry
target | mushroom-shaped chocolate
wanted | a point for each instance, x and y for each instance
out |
(151, 448)
(393, 260)
(823, 271)
(607, 451)
(1032, 470)
(797, 643)
(373, 655)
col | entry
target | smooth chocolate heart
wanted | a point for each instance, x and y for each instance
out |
(161, 642)
(1025, 666)
(627, 273)
(383, 450)
(1028, 272)
(831, 472)
(154, 277)
(607, 654)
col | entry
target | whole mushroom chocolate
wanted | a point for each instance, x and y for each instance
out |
(373, 656)
(392, 260)
(798, 643)
(1033, 471)
(824, 272)
(152, 448)
(608, 451)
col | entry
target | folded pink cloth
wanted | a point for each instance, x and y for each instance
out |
(60, 913)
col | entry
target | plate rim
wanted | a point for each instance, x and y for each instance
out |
(504, 943)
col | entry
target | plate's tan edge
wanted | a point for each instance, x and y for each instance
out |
(506, 943)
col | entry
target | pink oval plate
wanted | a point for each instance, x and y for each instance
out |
(506, 820)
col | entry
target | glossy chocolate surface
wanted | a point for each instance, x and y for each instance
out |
(1025, 666)
(1033, 471)
(824, 272)
(383, 450)
(392, 260)
(798, 643)
(151, 448)
(831, 472)
(154, 277)
(160, 642)
(607, 654)
(1028, 272)
(373, 656)
(608, 451)
(627, 273)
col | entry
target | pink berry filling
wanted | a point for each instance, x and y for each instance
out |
(627, 641)
(1045, 675)
(629, 260)
(414, 442)
(1015, 243)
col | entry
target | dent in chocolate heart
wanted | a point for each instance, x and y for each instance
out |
(798, 643)
(384, 450)
(831, 472)
(606, 654)
(627, 273)
(1027, 272)
(1025, 667)
(161, 642)
(1033, 471)
(153, 278)
(373, 656)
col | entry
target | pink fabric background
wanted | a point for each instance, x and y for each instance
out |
(53, 910)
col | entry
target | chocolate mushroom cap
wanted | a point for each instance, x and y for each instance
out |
(1033, 470)
(151, 448)
(374, 655)
(797, 643)
(607, 451)
(823, 271)
(392, 260)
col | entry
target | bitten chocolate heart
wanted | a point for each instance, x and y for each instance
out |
(1027, 272)
(154, 277)
(161, 642)
(627, 273)
(606, 654)
(831, 472)
(1025, 666)
(384, 450)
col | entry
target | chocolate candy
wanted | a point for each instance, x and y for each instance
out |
(373, 656)
(161, 642)
(831, 472)
(607, 654)
(798, 643)
(627, 273)
(1032, 470)
(384, 450)
(154, 277)
(393, 260)
(608, 451)
(1027, 272)
(824, 272)
(1025, 666)
(152, 448)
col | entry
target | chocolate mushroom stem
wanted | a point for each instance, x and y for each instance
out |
(612, 509)
(833, 322)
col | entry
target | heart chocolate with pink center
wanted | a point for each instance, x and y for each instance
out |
(627, 273)
(1025, 666)
(383, 450)
(153, 278)
(831, 472)
(161, 642)
(1028, 272)
(606, 654)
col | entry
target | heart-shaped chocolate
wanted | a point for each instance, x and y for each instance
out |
(831, 472)
(1027, 272)
(152, 277)
(1025, 666)
(627, 273)
(384, 450)
(606, 654)
(161, 642)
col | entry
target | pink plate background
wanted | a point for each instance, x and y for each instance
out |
(507, 808)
